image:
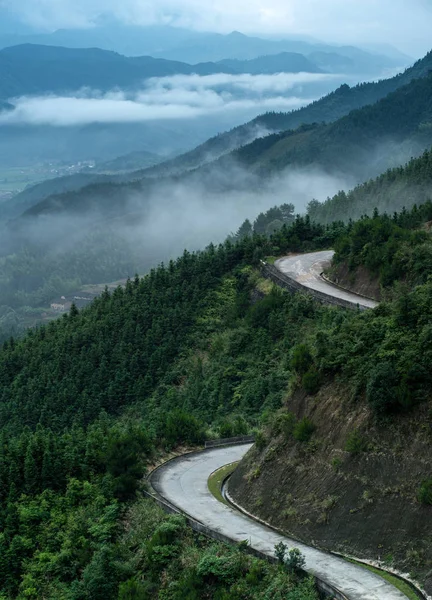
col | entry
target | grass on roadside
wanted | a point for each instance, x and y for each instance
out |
(217, 478)
(401, 585)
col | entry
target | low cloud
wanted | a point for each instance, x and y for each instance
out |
(158, 224)
(168, 98)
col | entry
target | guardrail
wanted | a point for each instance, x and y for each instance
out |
(282, 280)
(241, 439)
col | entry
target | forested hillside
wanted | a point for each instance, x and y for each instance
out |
(88, 399)
(345, 99)
(362, 144)
(397, 188)
(202, 343)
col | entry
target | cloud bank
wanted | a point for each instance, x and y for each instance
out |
(167, 98)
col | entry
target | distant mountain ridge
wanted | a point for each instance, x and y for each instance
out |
(175, 43)
(31, 69)
(237, 45)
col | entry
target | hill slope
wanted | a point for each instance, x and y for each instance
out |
(358, 146)
(206, 342)
(397, 188)
(363, 143)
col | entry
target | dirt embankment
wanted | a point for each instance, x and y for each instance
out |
(362, 504)
(359, 281)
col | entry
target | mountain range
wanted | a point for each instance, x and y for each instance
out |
(32, 69)
(173, 43)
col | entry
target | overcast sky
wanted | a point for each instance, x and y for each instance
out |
(403, 23)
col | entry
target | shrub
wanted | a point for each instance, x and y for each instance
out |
(181, 427)
(425, 492)
(164, 543)
(336, 463)
(223, 568)
(136, 590)
(280, 551)
(259, 313)
(233, 427)
(311, 381)
(382, 388)
(295, 561)
(284, 423)
(303, 430)
(123, 461)
(355, 443)
(260, 441)
(301, 359)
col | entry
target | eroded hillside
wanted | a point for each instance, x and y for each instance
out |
(353, 487)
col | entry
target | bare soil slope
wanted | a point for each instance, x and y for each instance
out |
(363, 504)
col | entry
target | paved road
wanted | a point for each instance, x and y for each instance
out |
(306, 269)
(183, 482)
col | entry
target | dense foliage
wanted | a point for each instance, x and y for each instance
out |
(267, 223)
(87, 400)
(394, 249)
(398, 188)
(201, 346)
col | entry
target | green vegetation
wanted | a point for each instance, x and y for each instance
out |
(291, 560)
(88, 400)
(216, 480)
(343, 100)
(425, 492)
(267, 223)
(356, 443)
(394, 249)
(395, 190)
(303, 430)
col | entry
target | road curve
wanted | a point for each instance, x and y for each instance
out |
(306, 269)
(183, 483)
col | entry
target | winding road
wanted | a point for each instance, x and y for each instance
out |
(306, 270)
(183, 483)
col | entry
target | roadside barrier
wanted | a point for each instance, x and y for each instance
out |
(241, 439)
(280, 279)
